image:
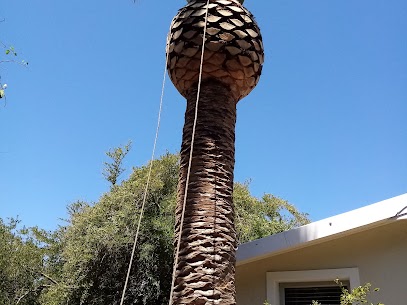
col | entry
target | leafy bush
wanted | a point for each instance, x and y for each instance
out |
(85, 262)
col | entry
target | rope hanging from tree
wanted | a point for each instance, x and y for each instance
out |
(190, 156)
(151, 165)
(147, 185)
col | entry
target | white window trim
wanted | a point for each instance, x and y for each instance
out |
(275, 278)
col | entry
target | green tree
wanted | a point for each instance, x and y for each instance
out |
(99, 237)
(23, 260)
(257, 218)
(97, 242)
(114, 169)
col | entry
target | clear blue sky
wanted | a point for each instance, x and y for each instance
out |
(326, 128)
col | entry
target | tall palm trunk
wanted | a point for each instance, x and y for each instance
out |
(231, 69)
(206, 262)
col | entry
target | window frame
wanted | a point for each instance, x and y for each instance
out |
(274, 279)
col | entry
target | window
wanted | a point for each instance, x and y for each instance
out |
(326, 293)
(301, 287)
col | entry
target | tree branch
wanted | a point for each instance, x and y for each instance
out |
(43, 274)
(23, 296)
(24, 64)
(49, 278)
(31, 290)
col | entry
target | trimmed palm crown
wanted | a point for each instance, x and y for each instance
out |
(240, 1)
(233, 48)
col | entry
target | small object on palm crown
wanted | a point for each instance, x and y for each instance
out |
(233, 54)
(241, 1)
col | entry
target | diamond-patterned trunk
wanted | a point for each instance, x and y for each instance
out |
(206, 266)
(231, 69)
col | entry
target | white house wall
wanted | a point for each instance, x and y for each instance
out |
(379, 253)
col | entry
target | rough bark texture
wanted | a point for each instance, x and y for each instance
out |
(233, 48)
(206, 268)
(233, 58)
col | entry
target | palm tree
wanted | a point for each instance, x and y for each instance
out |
(233, 58)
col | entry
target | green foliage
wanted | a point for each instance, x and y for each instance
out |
(23, 275)
(113, 168)
(86, 261)
(257, 218)
(11, 51)
(99, 239)
(357, 296)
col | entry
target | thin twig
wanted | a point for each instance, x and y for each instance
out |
(22, 63)
(23, 296)
(49, 278)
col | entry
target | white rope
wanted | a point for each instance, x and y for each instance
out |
(147, 184)
(190, 156)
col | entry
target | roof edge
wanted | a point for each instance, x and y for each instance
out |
(364, 218)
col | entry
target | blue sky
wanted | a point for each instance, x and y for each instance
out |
(325, 128)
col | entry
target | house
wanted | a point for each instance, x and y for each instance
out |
(364, 245)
